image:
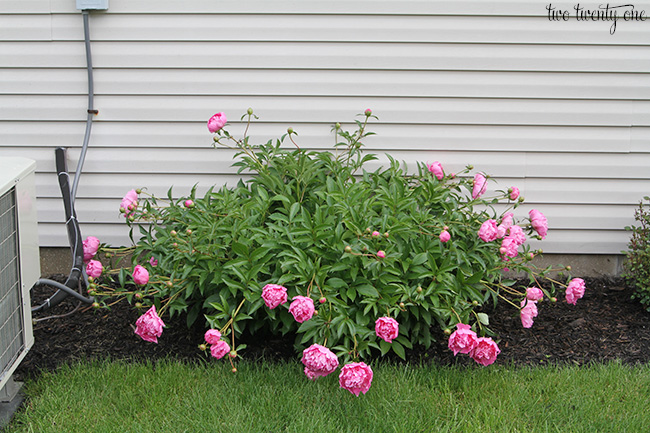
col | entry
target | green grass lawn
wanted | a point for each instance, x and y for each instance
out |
(261, 397)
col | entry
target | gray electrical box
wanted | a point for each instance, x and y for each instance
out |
(96, 5)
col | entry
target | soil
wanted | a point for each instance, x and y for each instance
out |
(604, 325)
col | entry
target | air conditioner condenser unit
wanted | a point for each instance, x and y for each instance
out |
(19, 266)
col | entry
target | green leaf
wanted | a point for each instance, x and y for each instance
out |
(399, 350)
(484, 319)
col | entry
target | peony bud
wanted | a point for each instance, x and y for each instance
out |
(322, 300)
(348, 249)
(249, 111)
(368, 112)
(290, 130)
(381, 254)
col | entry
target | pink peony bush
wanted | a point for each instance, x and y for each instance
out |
(394, 257)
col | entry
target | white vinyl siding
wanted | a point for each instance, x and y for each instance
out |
(559, 109)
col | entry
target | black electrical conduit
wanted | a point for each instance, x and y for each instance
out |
(77, 278)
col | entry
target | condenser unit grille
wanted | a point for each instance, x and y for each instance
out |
(11, 332)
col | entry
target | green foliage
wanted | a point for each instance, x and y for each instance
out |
(637, 266)
(315, 223)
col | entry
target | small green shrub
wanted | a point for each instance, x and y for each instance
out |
(637, 266)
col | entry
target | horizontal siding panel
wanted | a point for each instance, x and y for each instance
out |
(302, 109)
(450, 84)
(347, 55)
(583, 242)
(537, 192)
(380, 7)
(219, 161)
(25, 27)
(319, 136)
(55, 234)
(329, 28)
(25, 6)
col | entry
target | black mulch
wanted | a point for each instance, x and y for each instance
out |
(605, 325)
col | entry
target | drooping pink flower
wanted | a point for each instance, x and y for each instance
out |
(506, 223)
(514, 193)
(153, 262)
(488, 231)
(387, 328)
(310, 374)
(212, 336)
(149, 326)
(528, 312)
(509, 248)
(140, 275)
(444, 236)
(219, 349)
(516, 233)
(302, 308)
(129, 202)
(94, 268)
(575, 290)
(435, 168)
(480, 185)
(274, 295)
(381, 254)
(485, 352)
(91, 245)
(539, 222)
(319, 360)
(216, 122)
(356, 377)
(463, 340)
(534, 294)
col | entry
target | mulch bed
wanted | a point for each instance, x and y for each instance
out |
(605, 325)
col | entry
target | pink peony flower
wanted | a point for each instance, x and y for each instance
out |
(274, 295)
(153, 262)
(188, 203)
(356, 377)
(219, 349)
(509, 247)
(302, 308)
(575, 290)
(436, 169)
(539, 223)
(387, 328)
(463, 340)
(149, 326)
(506, 223)
(381, 254)
(212, 336)
(517, 235)
(319, 360)
(485, 352)
(444, 236)
(310, 374)
(514, 193)
(129, 202)
(528, 312)
(480, 185)
(91, 245)
(140, 275)
(534, 294)
(216, 122)
(488, 231)
(94, 268)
